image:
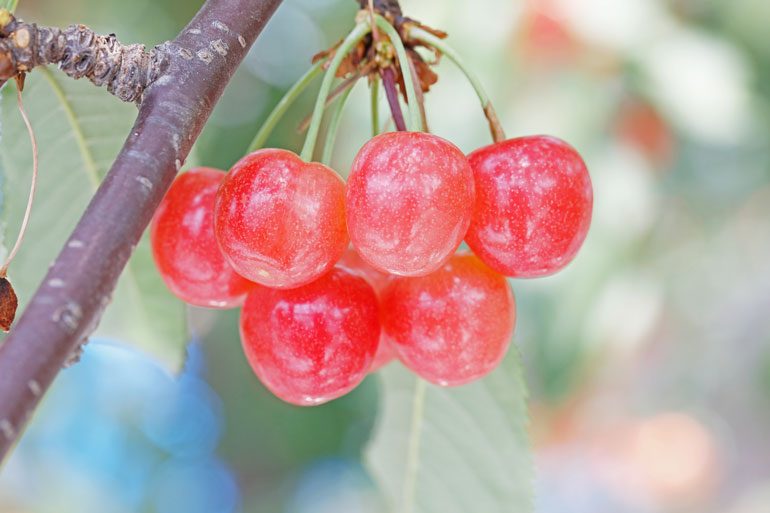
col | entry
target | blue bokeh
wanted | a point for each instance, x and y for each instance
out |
(335, 485)
(118, 433)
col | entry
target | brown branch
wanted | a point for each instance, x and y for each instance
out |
(192, 71)
(79, 52)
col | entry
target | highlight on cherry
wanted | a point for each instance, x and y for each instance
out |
(337, 279)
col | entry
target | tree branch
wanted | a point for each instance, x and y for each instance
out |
(79, 52)
(190, 74)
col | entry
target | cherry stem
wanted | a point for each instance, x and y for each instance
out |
(374, 90)
(283, 105)
(333, 127)
(420, 96)
(32, 187)
(345, 47)
(389, 84)
(336, 93)
(495, 128)
(415, 122)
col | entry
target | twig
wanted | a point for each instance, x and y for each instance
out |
(79, 52)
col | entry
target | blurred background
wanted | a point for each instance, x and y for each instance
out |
(648, 358)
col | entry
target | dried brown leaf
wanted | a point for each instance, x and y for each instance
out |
(409, 23)
(8, 304)
(352, 61)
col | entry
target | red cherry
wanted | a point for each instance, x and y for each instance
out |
(315, 343)
(533, 205)
(409, 200)
(280, 221)
(352, 262)
(453, 326)
(184, 246)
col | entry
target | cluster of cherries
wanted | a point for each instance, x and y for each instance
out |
(275, 233)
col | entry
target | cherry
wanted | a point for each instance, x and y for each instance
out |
(452, 326)
(184, 246)
(351, 261)
(314, 343)
(409, 201)
(384, 355)
(280, 221)
(533, 205)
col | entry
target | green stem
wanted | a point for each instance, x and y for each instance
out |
(280, 109)
(333, 127)
(413, 449)
(375, 104)
(350, 41)
(415, 121)
(498, 134)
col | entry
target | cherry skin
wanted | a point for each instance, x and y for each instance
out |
(314, 343)
(452, 326)
(185, 248)
(533, 205)
(280, 221)
(409, 201)
(351, 261)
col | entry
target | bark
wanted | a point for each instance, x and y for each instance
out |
(79, 52)
(178, 83)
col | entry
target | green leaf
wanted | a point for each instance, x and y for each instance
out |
(80, 129)
(9, 4)
(454, 450)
